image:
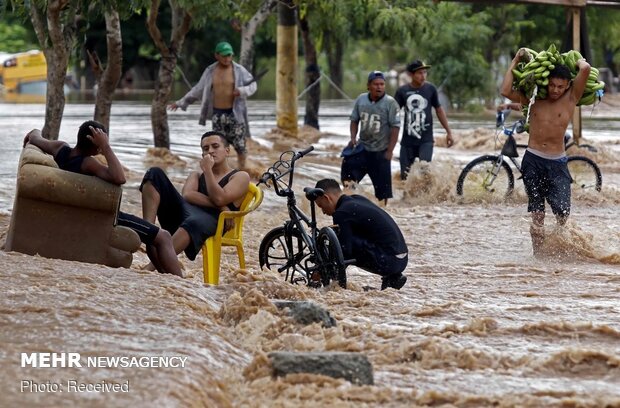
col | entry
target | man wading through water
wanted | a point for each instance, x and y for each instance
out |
(223, 89)
(544, 165)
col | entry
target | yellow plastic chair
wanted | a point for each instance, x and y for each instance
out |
(212, 248)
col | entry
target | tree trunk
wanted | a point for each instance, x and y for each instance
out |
(61, 33)
(286, 72)
(248, 32)
(335, 50)
(108, 78)
(159, 115)
(163, 86)
(313, 73)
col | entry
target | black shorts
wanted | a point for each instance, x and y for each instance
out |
(174, 212)
(146, 231)
(408, 154)
(546, 179)
(375, 259)
(355, 167)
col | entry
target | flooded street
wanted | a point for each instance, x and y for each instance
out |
(480, 322)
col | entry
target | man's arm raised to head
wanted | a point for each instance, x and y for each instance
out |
(113, 172)
(579, 83)
(48, 146)
(506, 89)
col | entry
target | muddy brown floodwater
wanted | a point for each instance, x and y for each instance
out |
(480, 322)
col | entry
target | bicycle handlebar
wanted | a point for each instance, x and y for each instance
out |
(301, 154)
(275, 172)
(500, 123)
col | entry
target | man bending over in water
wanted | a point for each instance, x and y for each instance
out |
(367, 234)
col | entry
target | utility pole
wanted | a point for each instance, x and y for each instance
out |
(576, 17)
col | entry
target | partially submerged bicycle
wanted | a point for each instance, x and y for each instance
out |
(490, 176)
(299, 248)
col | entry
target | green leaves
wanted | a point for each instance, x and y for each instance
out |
(16, 38)
(390, 23)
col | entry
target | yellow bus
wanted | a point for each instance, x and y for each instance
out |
(24, 72)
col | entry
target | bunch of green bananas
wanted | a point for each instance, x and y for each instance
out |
(534, 69)
(594, 89)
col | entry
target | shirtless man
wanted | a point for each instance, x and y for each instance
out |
(191, 216)
(223, 90)
(544, 165)
(92, 139)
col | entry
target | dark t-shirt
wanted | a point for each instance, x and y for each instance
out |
(202, 187)
(64, 162)
(360, 219)
(418, 127)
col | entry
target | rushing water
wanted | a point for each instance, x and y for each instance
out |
(480, 321)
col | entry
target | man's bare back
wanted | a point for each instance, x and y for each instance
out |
(223, 87)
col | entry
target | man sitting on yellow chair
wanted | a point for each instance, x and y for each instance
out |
(192, 215)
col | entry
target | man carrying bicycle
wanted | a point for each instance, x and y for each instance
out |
(544, 165)
(366, 233)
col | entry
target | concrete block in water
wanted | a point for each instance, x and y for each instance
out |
(353, 367)
(305, 312)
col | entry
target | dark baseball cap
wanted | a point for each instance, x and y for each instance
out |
(223, 48)
(351, 151)
(416, 65)
(374, 75)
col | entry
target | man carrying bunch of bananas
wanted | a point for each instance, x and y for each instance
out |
(544, 165)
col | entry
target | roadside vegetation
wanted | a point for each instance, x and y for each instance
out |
(165, 46)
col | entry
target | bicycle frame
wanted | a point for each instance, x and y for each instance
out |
(297, 218)
(508, 149)
(499, 163)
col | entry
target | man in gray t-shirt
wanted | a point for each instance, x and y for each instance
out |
(376, 116)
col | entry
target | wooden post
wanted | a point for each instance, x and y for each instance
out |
(576, 14)
(286, 63)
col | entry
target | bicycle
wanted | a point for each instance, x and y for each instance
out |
(490, 176)
(306, 253)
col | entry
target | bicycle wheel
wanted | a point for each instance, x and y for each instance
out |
(484, 179)
(332, 261)
(585, 173)
(274, 254)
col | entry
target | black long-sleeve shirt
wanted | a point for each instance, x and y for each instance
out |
(359, 219)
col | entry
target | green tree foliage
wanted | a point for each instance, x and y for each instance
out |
(604, 29)
(452, 40)
(468, 44)
(391, 23)
(547, 25)
(15, 37)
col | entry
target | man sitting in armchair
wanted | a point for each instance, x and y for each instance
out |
(92, 139)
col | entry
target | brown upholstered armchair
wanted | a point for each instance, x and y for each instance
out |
(59, 214)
